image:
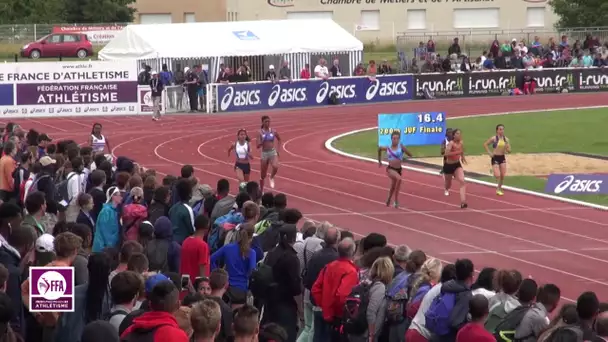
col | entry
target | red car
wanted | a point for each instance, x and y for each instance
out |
(59, 44)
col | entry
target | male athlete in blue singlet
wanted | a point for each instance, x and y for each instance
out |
(500, 146)
(270, 155)
(394, 156)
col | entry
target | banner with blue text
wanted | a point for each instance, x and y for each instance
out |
(426, 128)
(284, 94)
(577, 184)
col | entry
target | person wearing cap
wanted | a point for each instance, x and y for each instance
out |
(8, 164)
(271, 74)
(107, 227)
(43, 142)
(156, 87)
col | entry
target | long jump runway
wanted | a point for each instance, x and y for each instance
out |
(548, 240)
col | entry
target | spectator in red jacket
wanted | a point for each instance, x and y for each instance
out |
(164, 300)
(305, 73)
(332, 287)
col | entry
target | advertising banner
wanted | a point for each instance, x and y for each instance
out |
(145, 100)
(426, 128)
(68, 88)
(580, 184)
(98, 35)
(262, 96)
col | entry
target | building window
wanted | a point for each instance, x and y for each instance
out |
(535, 16)
(476, 18)
(155, 19)
(189, 18)
(416, 19)
(370, 20)
(310, 15)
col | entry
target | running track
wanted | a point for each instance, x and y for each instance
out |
(548, 240)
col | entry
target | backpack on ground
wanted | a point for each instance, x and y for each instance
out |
(437, 317)
(261, 281)
(567, 333)
(497, 314)
(396, 299)
(157, 252)
(354, 318)
(505, 329)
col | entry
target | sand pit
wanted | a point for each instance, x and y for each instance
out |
(533, 164)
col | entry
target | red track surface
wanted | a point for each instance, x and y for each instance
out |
(549, 240)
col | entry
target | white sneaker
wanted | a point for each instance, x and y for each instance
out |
(271, 182)
(446, 192)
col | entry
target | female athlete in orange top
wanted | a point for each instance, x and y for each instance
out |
(452, 167)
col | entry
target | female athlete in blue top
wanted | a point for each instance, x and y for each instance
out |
(500, 146)
(270, 154)
(394, 156)
(243, 155)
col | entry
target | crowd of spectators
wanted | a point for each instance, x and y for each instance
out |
(514, 54)
(172, 259)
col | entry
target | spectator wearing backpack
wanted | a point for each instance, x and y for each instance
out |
(284, 304)
(587, 307)
(159, 322)
(181, 214)
(380, 275)
(239, 261)
(75, 181)
(98, 180)
(35, 170)
(14, 246)
(91, 301)
(8, 164)
(448, 311)
(417, 331)
(485, 283)
(474, 330)
(35, 204)
(21, 175)
(402, 253)
(567, 316)
(133, 214)
(536, 319)
(223, 202)
(124, 291)
(272, 214)
(45, 182)
(163, 253)
(126, 251)
(160, 204)
(186, 173)
(312, 268)
(331, 289)
(107, 226)
(504, 301)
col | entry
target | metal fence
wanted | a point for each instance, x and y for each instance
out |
(25, 33)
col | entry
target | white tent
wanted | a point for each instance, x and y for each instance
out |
(230, 39)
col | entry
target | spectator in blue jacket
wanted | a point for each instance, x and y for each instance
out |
(107, 227)
(239, 260)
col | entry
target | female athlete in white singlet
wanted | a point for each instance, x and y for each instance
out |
(98, 141)
(243, 156)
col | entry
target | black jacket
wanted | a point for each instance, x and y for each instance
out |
(316, 263)
(12, 261)
(286, 273)
(99, 198)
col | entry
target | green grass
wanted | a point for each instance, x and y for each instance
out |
(580, 131)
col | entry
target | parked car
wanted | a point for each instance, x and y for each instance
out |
(59, 45)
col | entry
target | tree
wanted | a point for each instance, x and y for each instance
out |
(580, 13)
(66, 11)
(99, 11)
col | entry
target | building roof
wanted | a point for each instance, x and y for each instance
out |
(228, 39)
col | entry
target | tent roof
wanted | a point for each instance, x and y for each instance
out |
(226, 39)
